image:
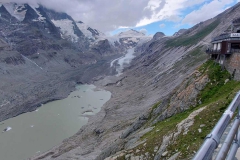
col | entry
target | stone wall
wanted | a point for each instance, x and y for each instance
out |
(232, 63)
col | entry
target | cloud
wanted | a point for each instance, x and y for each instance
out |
(162, 25)
(207, 11)
(193, 3)
(143, 30)
(108, 15)
(105, 15)
(170, 10)
(60, 5)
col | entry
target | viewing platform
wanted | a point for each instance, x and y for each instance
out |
(225, 44)
(208, 51)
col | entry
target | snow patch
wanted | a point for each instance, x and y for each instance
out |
(66, 28)
(83, 27)
(133, 39)
(32, 61)
(40, 17)
(112, 40)
(5, 103)
(113, 61)
(7, 129)
(129, 36)
(124, 61)
(131, 33)
(144, 40)
(16, 10)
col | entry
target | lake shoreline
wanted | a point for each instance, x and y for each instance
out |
(75, 110)
(39, 104)
(35, 107)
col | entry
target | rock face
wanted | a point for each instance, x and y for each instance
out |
(158, 35)
(103, 47)
(180, 32)
(183, 126)
(183, 97)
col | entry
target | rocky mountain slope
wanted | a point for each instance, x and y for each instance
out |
(160, 83)
(44, 53)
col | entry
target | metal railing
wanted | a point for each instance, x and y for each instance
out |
(211, 51)
(232, 50)
(213, 139)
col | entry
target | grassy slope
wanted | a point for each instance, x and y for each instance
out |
(216, 96)
(185, 40)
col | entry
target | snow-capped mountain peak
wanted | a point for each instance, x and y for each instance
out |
(84, 28)
(131, 33)
(40, 16)
(16, 10)
(19, 11)
(67, 29)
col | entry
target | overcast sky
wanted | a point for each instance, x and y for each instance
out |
(148, 16)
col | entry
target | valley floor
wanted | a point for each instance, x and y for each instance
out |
(133, 94)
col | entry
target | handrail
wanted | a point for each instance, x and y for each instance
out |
(211, 51)
(219, 51)
(213, 139)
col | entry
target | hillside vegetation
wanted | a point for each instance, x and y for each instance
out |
(184, 143)
(186, 40)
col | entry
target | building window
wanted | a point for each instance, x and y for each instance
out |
(235, 45)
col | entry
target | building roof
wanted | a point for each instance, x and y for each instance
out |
(226, 37)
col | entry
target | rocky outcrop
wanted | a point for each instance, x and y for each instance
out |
(182, 128)
(158, 35)
(11, 58)
(161, 150)
(182, 98)
(103, 48)
(180, 32)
